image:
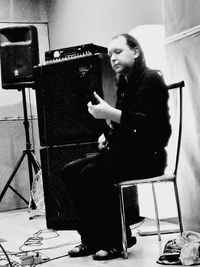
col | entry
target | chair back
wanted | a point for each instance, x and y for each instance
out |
(179, 86)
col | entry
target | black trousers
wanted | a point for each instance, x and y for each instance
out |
(91, 185)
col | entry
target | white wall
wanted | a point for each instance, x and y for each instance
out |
(12, 134)
(75, 22)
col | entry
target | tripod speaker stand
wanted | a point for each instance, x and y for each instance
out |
(32, 161)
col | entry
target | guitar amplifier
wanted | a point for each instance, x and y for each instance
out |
(63, 89)
(74, 52)
(60, 213)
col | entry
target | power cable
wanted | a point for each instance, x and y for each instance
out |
(6, 255)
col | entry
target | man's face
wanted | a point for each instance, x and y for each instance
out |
(122, 58)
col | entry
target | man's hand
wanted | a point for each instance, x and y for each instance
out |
(102, 143)
(102, 110)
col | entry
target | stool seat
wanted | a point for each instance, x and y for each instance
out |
(158, 179)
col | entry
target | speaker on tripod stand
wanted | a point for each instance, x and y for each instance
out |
(19, 54)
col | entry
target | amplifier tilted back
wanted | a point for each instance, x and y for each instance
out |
(63, 90)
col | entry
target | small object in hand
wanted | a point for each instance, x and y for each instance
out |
(94, 101)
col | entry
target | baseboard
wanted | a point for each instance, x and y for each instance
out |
(2, 240)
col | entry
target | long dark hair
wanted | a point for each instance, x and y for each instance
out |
(132, 42)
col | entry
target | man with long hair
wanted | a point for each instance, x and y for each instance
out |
(134, 147)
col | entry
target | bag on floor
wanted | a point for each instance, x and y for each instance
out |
(37, 195)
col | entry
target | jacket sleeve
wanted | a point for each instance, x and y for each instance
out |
(149, 104)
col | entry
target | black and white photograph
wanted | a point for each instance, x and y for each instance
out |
(99, 133)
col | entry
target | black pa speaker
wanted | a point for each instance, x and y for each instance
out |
(60, 214)
(19, 53)
(63, 89)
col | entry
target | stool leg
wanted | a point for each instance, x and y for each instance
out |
(178, 207)
(123, 222)
(156, 212)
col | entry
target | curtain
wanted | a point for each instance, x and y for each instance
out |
(151, 38)
(183, 54)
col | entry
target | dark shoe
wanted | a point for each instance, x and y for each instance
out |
(107, 254)
(81, 250)
(131, 241)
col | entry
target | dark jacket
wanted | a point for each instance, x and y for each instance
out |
(145, 117)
